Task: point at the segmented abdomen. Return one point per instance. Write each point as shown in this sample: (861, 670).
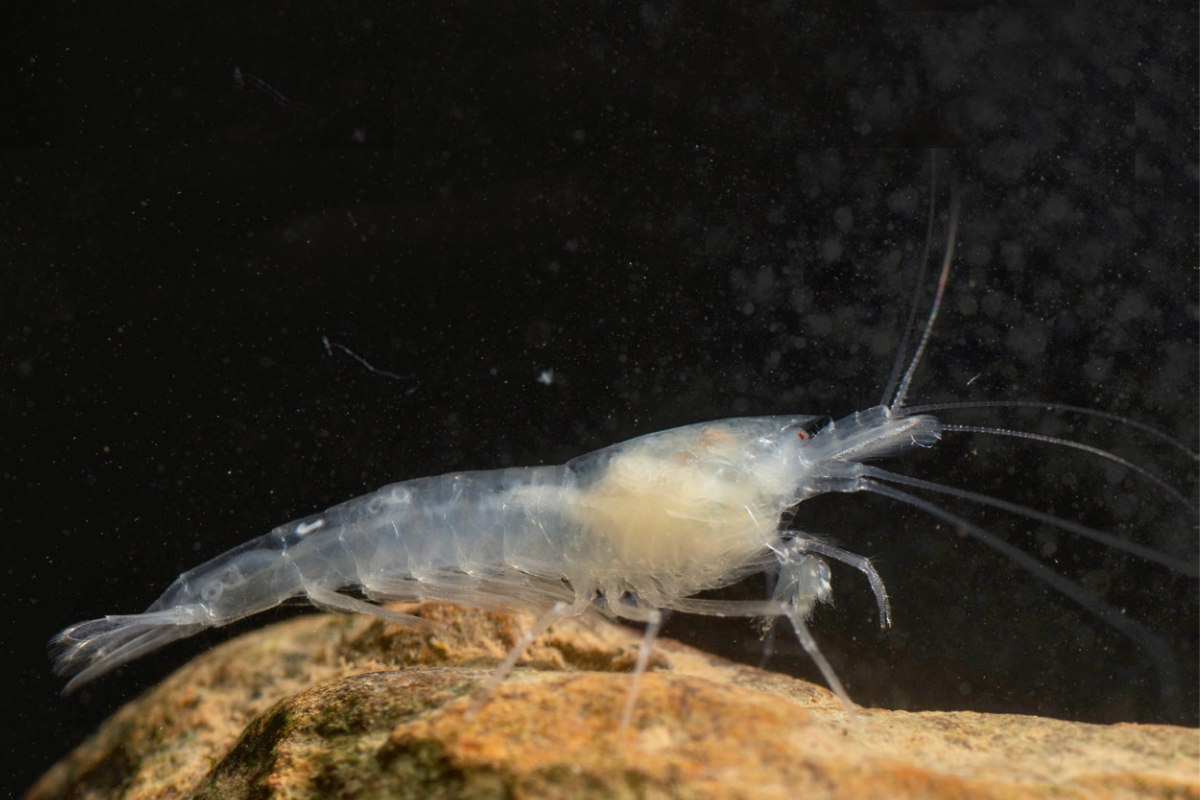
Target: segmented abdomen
(429, 530)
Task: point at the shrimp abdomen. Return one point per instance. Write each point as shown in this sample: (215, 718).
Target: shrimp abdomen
(244, 581)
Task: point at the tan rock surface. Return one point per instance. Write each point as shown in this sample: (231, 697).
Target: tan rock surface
(329, 706)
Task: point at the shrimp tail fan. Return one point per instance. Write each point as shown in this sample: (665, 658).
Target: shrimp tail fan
(87, 650)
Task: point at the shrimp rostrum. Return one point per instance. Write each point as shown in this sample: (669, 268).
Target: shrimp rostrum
(629, 531)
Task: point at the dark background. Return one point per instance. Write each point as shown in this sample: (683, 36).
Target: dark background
(686, 211)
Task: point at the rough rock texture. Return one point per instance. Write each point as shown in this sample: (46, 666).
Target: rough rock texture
(330, 706)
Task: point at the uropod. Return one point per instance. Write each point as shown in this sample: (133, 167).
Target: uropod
(629, 531)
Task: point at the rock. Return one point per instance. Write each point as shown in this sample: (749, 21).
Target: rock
(330, 706)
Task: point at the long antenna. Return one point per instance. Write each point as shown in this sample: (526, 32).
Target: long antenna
(918, 285)
(951, 236)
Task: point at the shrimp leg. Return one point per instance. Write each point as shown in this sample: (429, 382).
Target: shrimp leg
(792, 609)
(803, 580)
(772, 608)
(558, 611)
(654, 619)
(814, 652)
(860, 563)
(329, 600)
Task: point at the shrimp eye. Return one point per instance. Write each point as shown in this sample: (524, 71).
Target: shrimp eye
(811, 428)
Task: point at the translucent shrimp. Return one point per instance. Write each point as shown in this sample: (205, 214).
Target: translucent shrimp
(628, 531)
(641, 526)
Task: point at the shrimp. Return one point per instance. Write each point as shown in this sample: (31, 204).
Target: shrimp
(630, 531)
(640, 526)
